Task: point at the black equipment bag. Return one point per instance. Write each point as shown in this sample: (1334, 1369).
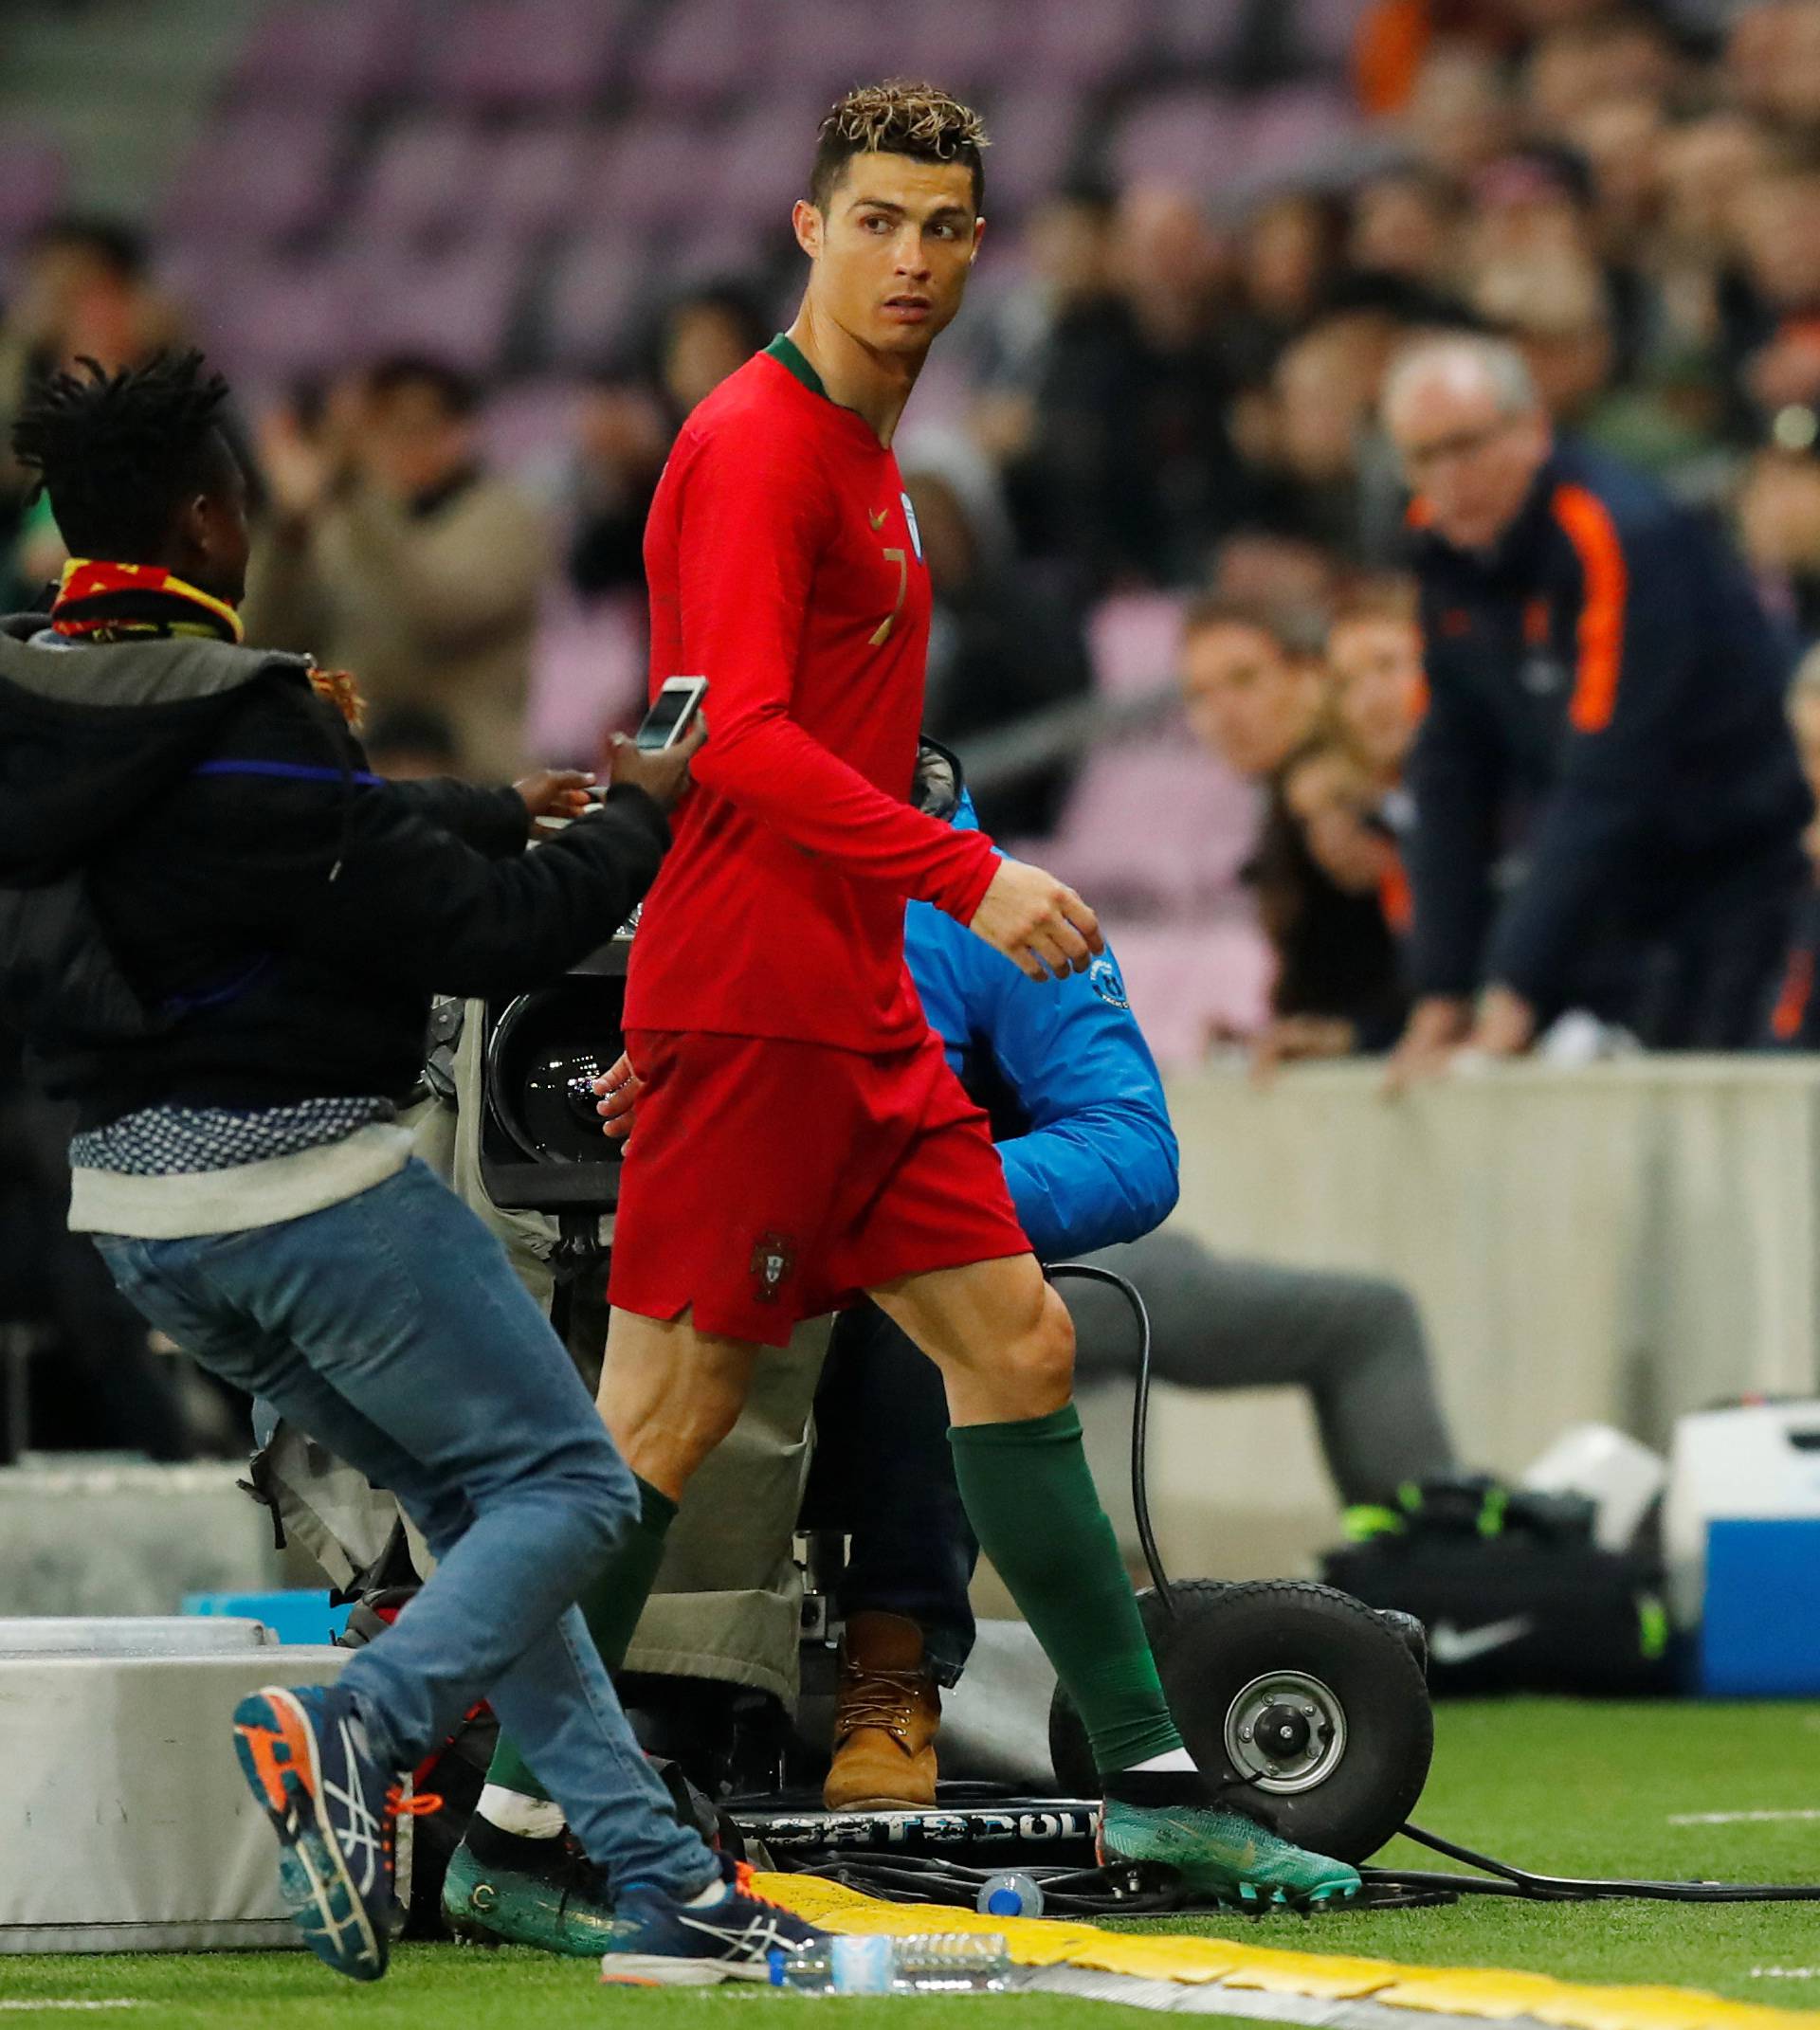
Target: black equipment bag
(1519, 1614)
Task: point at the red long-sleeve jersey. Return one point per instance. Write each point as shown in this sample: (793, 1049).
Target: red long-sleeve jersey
(785, 566)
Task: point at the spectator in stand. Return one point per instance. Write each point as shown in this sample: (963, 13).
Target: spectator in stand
(81, 288)
(393, 553)
(1257, 697)
(629, 422)
(1127, 473)
(1379, 693)
(1778, 518)
(1794, 1017)
(1406, 222)
(1605, 698)
(1005, 639)
(1778, 227)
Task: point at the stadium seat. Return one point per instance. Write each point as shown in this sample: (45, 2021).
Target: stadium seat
(1133, 639)
(532, 178)
(265, 175)
(590, 300)
(458, 305)
(514, 54)
(587, 677)
(696, 55)
(1190, 139)
(426, 180)
(1033, 130)
(329, 54)
(1153, 826)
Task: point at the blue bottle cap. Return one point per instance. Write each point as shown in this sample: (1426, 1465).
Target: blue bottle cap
(1005, 1902)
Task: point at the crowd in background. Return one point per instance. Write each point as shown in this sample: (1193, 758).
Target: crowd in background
(1153, 462)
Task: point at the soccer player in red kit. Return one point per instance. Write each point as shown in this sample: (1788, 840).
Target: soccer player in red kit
(800, 1138)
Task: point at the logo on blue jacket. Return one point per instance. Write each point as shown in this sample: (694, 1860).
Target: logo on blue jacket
(1102, 976)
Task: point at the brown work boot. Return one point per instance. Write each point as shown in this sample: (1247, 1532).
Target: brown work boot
(885, 1720)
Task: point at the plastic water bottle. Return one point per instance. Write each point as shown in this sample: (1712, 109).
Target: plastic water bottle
(1010, 1896)
(927, 1964)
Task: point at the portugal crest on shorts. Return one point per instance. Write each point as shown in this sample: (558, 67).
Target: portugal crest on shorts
(772, 1259)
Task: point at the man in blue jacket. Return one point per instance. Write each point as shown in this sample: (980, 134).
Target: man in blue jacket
(1608, 804)
(1084, 1131)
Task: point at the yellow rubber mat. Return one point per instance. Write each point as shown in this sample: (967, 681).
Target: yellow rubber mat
(1491, 1993)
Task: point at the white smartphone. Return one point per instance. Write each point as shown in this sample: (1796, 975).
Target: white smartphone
(672, 713)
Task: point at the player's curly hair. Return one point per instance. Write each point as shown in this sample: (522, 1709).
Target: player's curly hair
(117, 453)
(898, 118)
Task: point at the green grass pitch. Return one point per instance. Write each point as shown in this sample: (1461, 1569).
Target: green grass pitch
(1565, 1788)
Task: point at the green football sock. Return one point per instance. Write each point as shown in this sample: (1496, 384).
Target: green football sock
(611, 1604)
(1034, 1508)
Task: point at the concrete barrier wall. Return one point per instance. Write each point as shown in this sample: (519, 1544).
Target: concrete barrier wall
(1624, 1243)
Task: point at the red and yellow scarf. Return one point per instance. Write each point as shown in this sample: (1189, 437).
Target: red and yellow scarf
(101, 601)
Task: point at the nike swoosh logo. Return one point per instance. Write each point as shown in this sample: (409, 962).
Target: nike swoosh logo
(877, 520)
(1447, 1644)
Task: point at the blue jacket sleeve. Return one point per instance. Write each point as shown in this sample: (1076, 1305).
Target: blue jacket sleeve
(1100, 1162)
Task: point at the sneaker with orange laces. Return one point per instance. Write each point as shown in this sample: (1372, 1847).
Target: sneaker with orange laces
(725, 1932)
(303, 1751)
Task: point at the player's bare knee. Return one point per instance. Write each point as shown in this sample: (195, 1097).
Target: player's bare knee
(1041, 1360)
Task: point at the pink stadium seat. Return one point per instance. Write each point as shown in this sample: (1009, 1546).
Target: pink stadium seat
(591, 300)
(1328, 31)
(1083, 46)
(330, 53)
(656, 171)
(697, 53)
(31, 183)
(519, 53)
(764, 160)
(457, 305)
(1033, 131)
(828, 47)
(264, 175)
(529, 427)
(587, 679)
(1192, 981)
(1194, 139)
(1133, 639)
(1153, 826)
(1294, 131)
(427, 180)
(969, 46)
(284, 319)
(533, 179)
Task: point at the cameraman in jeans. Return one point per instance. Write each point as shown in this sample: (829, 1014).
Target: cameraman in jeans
(219, 933)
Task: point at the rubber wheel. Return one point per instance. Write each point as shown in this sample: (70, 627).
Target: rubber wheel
(1223, 1638)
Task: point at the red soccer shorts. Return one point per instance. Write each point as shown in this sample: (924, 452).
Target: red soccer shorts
(769, 1182)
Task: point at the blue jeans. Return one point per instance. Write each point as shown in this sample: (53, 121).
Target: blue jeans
(392, 1329)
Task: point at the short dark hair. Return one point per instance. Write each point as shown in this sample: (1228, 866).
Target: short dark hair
(452, 389)
(118, 453)
(1296, 635)
(898, 118)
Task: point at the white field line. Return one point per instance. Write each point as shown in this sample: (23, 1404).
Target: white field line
(1784, 1973)
(1740, 1818)
(112, 2003)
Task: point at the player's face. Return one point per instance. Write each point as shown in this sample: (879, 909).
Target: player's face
(893, 250)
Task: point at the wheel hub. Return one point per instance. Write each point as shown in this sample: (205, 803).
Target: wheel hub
(1285, 1731)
